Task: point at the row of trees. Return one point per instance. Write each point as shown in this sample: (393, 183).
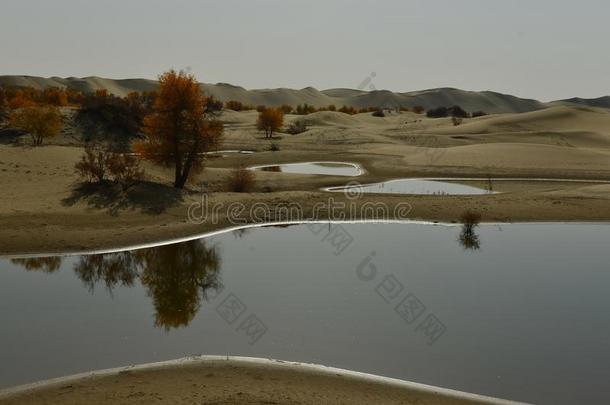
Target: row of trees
(21, 97)
(456, 112)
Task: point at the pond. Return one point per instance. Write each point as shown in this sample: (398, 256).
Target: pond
(515, 311)
(414, 186)
(326, 168)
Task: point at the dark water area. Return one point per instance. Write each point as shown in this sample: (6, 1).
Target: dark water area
(515, 311)
(325, 168)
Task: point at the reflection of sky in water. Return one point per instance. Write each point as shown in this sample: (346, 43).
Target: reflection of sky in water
(417, 186)
(335, 169)
(524, 314)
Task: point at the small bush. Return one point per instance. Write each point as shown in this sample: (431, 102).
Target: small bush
(39, 122)
(274, 147)
(104, 112)
(378, 113)
(213, 106)
(305, 109)
(439, 112)
(479, 114)
(296, 127)
(457, 111)
(241, 180)
(471, 218)
(261, 108)
(286, 109)
(456, 121)
(418, 109)
(234, 105)
(348, 110)
(100, 164)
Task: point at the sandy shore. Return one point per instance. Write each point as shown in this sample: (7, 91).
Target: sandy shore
(216, 380)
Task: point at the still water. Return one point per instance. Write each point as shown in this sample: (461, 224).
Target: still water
(414, 186)
(515, 311)
(326, 168)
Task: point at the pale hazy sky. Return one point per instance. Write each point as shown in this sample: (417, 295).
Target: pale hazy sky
(545, 49)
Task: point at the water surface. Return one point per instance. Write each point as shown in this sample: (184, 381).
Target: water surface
(326, 168)
(514, 311)
(415, 186)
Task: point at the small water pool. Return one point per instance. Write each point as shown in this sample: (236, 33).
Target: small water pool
(325, 168)
(414, 186)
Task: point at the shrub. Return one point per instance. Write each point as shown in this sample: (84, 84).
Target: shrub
(479, 114)
(297, 127)
(261, 108)
(456, 121)
(274, 147)
(348, 110)
(442, 112)
(286, 109)
(93, 165)
(115, 114)
(378, 113)
(101, 163)
(439, 112)
(418, 109)
(213, 106)
(55, 96)
(21, 99)
(332, 107)
(241, 180)
(3, 103)
(305, 109)
(39, 122)
(124, 169)
(457, 111)
(270, 120)
(471, 218)
(237, 106)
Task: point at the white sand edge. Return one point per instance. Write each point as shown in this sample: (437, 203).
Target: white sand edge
(330, 371)
(279, 223)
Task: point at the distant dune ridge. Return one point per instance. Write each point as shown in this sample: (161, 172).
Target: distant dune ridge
(488, 101)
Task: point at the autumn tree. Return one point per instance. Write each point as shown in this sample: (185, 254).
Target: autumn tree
(21, 99)
(55, 96)
(179, 130)
(2, 100)
(270, 120)
(39, 122)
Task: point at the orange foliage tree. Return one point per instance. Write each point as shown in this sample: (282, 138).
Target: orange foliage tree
(179, 130)
(2, 100)
(55, 96)
(270, 120)
(39, 122)
(21, 99)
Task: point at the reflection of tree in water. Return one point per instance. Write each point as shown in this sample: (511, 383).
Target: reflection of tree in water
(468, 237)
(176, 276)
(45, 264)
(112, 269)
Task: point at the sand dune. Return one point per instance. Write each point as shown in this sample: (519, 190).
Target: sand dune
(472, 101)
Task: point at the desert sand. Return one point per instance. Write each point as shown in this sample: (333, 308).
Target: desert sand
(43, 209)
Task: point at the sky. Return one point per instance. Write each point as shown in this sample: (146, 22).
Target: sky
(543, 49)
